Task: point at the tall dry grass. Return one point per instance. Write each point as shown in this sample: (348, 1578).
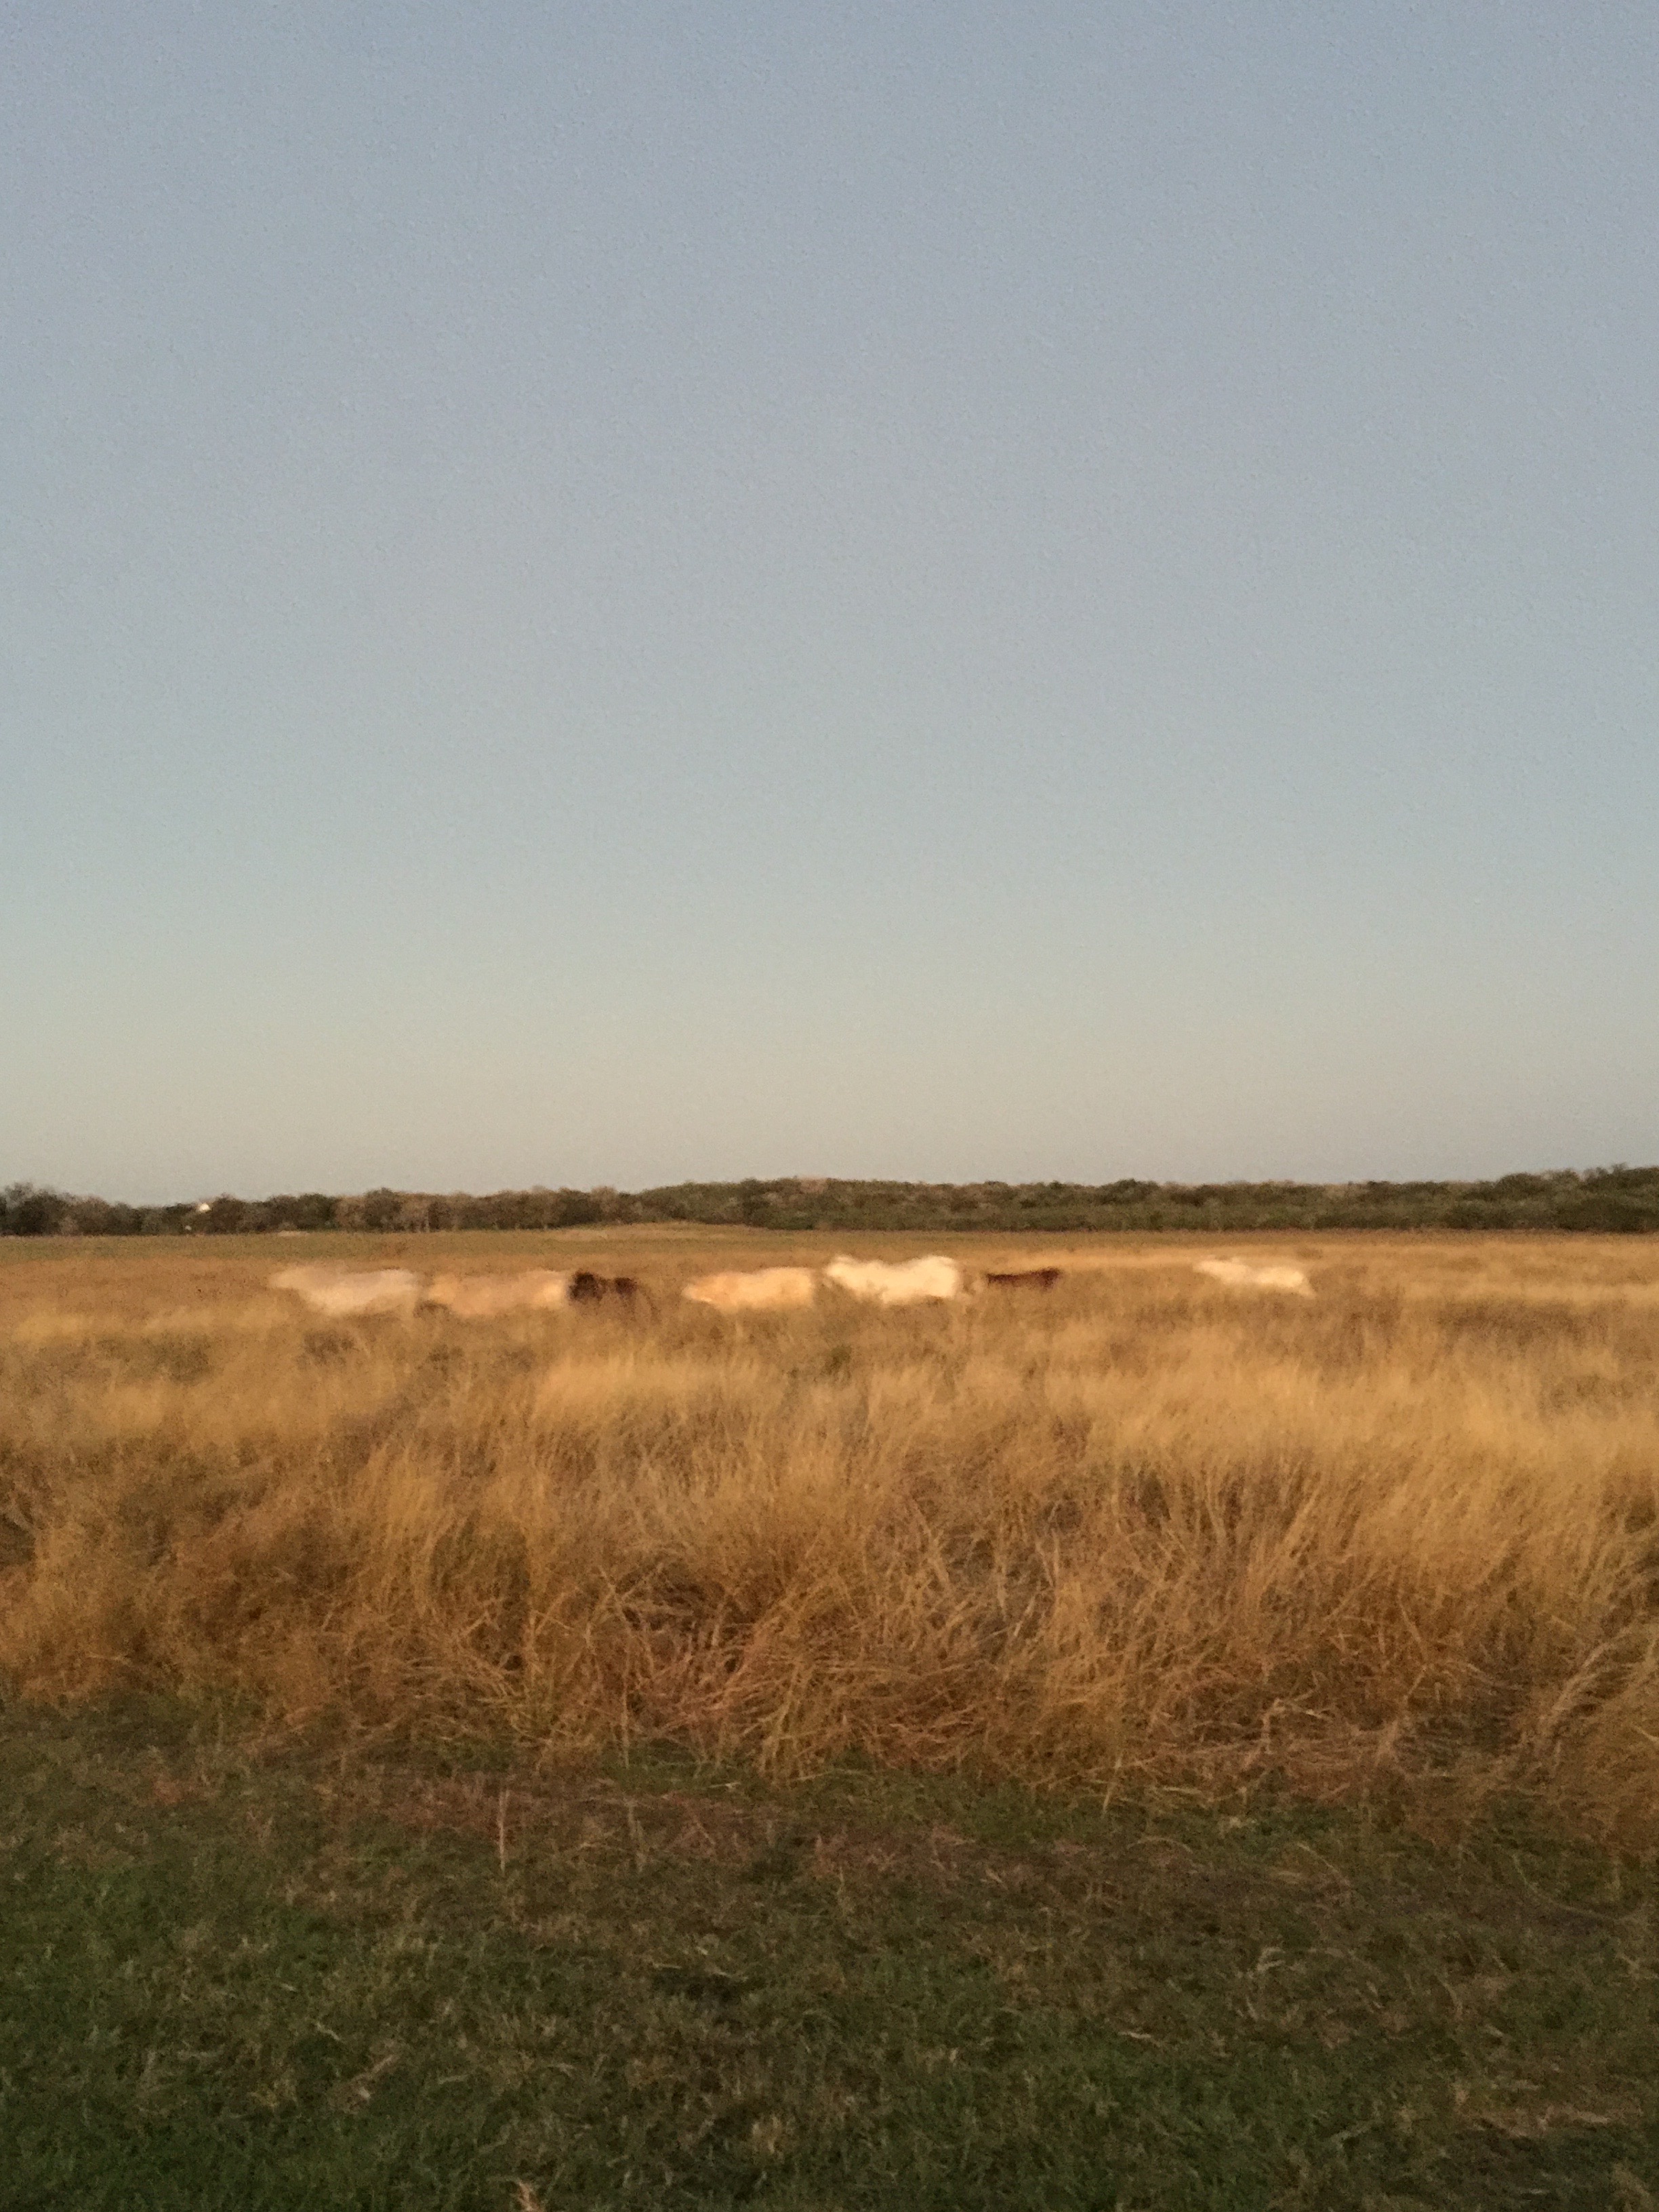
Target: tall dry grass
(1405, 1538)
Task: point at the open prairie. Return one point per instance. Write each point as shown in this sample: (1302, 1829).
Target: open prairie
(1400, 1540)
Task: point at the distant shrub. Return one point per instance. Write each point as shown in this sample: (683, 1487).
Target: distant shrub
(311, 1209)
(1614, 1213)
(26, 1209)
(1619, 1200)
(227, 1216)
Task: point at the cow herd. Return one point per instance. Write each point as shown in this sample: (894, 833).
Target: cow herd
(342, 1293)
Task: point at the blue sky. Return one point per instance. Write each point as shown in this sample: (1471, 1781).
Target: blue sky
(597, 594)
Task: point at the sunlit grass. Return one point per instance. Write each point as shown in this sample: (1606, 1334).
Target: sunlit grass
(1398, 1539)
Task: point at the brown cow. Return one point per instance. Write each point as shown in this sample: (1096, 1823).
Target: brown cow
(588, 1289)
(1024, 1279)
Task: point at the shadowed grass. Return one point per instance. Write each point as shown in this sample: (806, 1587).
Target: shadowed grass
(269, 1974)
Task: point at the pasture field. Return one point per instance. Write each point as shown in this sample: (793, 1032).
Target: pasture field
(1400, 1540)
(248, 1971)
(1144, 1745)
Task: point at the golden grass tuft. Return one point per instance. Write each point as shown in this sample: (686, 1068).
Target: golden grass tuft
(1403, 1539)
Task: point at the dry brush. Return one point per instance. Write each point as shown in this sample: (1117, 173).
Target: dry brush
(1400, 1538)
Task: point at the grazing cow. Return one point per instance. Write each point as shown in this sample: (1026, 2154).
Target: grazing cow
(334, 1292)
(753, 1290)
(481, 1297)
(896, 1283)
(1240, 1275)
(587, 1289)
(1023, 1279)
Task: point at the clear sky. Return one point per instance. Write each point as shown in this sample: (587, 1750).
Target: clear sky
(606, 594)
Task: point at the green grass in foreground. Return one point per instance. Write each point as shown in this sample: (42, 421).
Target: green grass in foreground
(326, 1975)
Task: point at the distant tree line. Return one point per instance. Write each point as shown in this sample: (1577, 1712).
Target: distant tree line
(1602, 1199)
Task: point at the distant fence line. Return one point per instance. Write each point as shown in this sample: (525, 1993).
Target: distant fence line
(1597, 1201)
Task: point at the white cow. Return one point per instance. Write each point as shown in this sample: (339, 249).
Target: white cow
(333, 1291)
(1240, 1275)
(481, 1297)
(898, 1282)
(753, 1290)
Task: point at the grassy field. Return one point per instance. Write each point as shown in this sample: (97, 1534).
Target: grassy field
(248, 1972)
(1148, 1746)
(1399, 1541)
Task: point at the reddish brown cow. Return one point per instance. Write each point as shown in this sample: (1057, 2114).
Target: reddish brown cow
(588, 1289)
(1024, 1279)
